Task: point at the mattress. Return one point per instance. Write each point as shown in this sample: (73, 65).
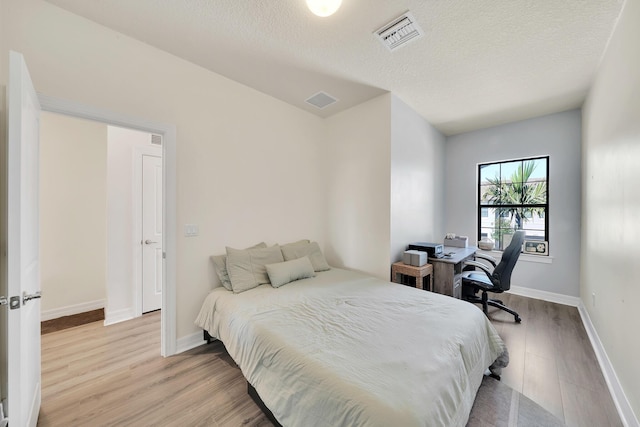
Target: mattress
(347, 349)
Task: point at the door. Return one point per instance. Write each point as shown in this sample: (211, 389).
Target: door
(23, 339)
(151, 233)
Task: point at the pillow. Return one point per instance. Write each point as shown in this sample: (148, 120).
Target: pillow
(247, 267)
(289, 271)
(299, 242)
(301, 249)
(220, 262)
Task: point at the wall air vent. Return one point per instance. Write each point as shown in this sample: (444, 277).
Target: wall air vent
(399, 32)
(156, 140)
(321, 100)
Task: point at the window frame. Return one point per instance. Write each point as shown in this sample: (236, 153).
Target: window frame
(481, 206)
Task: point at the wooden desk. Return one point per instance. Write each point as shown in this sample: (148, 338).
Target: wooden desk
(400, 268)
(447, 271)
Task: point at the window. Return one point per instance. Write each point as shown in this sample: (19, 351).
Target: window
(513, 195)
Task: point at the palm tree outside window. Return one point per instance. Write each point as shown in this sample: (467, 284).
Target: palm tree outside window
(515, 195)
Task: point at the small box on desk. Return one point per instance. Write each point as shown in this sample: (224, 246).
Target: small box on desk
(415, 258)
(457, 242)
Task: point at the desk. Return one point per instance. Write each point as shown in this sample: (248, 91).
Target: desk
(447, 271)
(420, 273)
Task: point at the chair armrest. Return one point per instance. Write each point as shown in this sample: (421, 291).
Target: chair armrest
(489, 258)
(480, 265)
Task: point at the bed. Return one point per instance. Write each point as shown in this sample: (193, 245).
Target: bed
(346, 349)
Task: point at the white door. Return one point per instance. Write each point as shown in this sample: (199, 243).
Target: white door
(23, 358)
(151, 233)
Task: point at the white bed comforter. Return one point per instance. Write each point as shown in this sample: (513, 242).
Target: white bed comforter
(346, 349)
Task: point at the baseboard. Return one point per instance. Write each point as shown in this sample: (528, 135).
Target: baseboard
(190, 341)
(625, 411)
(116, 316)
(545, 296)
(71, 310)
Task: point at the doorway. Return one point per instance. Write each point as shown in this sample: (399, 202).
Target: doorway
(168, 133)
(101, 219)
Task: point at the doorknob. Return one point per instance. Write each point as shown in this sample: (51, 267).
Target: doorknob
(148, 242)
(28, 297)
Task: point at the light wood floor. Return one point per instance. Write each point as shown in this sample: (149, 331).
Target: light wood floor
(103, 376)
(107, 376)
(552, 362)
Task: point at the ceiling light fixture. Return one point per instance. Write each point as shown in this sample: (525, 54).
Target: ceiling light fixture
(323, 8)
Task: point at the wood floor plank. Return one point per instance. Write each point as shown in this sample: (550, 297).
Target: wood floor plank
(514, 336)
(541, 383)
(577, 414)
(541, 326)
(577, 363)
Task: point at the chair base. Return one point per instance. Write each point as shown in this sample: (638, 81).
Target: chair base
(486, 302)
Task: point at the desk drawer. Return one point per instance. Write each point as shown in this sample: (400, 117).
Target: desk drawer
(457, 286)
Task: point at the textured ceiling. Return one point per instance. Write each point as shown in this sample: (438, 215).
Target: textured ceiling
(480, 62)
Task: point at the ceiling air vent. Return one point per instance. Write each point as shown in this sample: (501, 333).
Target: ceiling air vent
(321, 100)
(399, 32)
(156, 139)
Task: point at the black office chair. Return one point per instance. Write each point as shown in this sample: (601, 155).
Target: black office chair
(496, 279)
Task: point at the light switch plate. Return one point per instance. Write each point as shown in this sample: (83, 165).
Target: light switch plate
(191, 230)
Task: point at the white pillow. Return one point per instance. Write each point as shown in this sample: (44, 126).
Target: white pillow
(247, 267)
(220, 262)
(301, 249)
(289, 271)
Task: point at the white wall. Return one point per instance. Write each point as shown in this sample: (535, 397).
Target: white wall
(73, 180)
(611, 203)
(358, 187)
(247, 164)
(384, 184)
(557, 135)
(417, 179)
(121, 241)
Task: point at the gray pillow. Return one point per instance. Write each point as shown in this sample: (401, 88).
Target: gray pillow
(299, 242)
(289, 271)
(312, 250)
(220, 263)
(247, 267)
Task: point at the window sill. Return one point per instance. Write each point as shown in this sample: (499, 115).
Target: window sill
(539, 259)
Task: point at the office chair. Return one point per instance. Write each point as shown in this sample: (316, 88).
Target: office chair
(496, 279)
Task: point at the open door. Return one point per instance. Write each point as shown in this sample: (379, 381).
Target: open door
(23, 341)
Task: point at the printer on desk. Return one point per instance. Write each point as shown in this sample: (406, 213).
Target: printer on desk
(434, 250)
